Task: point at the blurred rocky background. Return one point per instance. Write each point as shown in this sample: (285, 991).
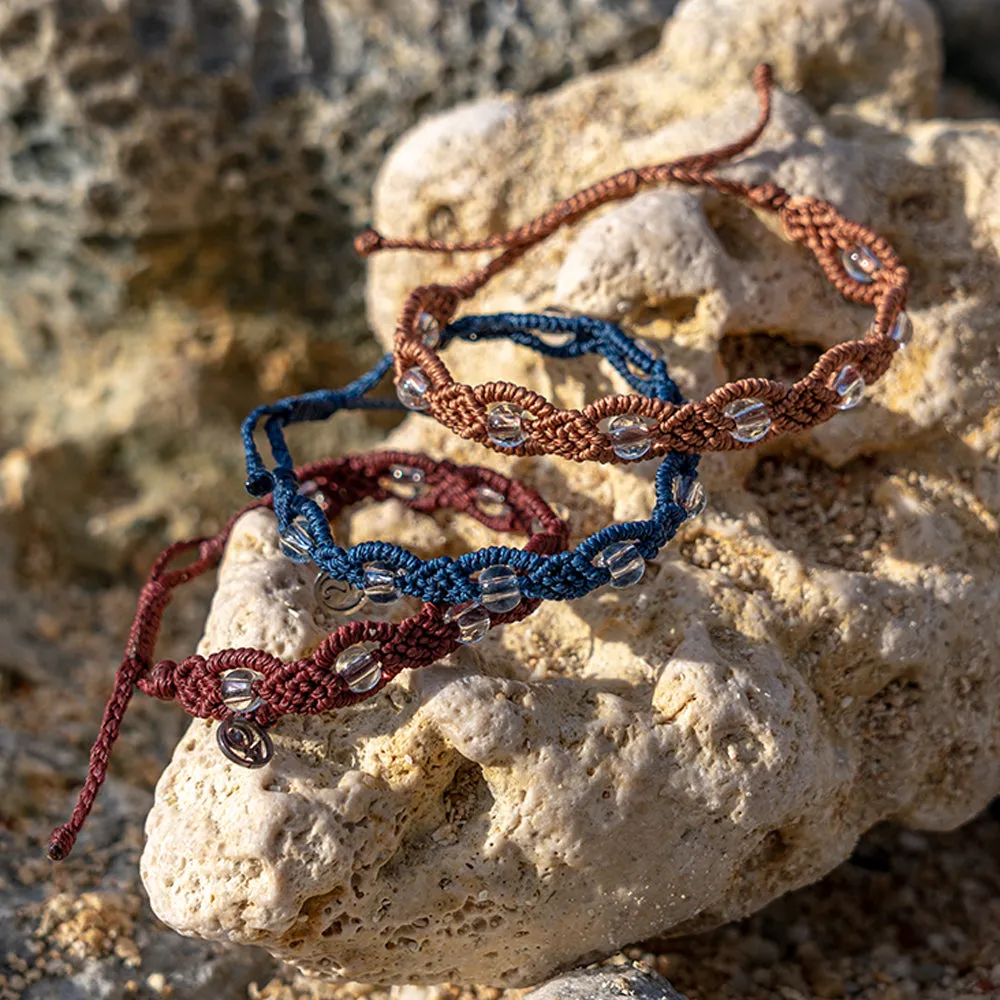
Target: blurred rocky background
(179, 184)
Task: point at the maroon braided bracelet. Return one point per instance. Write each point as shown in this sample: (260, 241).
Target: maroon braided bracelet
(248, 690)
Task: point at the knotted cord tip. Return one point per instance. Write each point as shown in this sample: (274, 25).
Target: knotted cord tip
(763, 77)
(367, 242)
(61, 842)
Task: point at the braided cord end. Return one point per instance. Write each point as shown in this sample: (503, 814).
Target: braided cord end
(763, 76)
(367, 242)
(61, 842)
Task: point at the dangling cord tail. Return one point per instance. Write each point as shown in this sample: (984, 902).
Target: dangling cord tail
(153, 600)
(690, 170)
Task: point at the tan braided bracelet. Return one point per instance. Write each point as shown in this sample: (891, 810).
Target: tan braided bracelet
(512, 419)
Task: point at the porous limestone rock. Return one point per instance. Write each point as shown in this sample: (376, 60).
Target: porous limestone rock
(814, 654)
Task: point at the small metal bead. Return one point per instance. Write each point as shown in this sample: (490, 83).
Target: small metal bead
(337, 596)
(260, 485)
(296, 541)
(472, 619)
(860, 264)
(412, 388)
(505, 425)
(850, 386)
(689, 494)
(751, 418)
(382, 582)
(359, 667)
(500, 589)
(623, 561)
(429, 329)
(408, 482)
(237, 689)
(490, 502)
(901, 330)
(629, 436)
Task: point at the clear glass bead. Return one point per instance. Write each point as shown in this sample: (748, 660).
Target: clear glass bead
(623, 561)
(404, 481)
(751, 418)
(412, 388)
(381, 582)
(850, 386)
(500, 589)
(237, 689)
(505, 425)
(429, 329)
(629, 436)
(689, 494)
(861, 264)
(359, 666)
(901, 330)
(490, 502)
(472, 619)
(337, 596)
(296, 541)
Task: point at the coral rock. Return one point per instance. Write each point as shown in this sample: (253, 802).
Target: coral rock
(815, 654)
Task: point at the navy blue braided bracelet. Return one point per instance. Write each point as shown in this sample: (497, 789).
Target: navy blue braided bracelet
(494, 578)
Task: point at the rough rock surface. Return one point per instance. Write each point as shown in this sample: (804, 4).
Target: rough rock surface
(179, 185)
(600, 983)
(815, 654)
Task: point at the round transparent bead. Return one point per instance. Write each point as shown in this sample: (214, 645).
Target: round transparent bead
(429, 329)
(850, 386)
(505, 425)
(381, 582)
(629, 436)
(337, 596)
(296, 541)
(901, 330)
(359, 667)
(623, 561)
(861, 264)
(751, 418)
(404, 481)
(412, 388)
(237, 689)
(500, 589)
(472, 619)
(490, 502)
(689, 494)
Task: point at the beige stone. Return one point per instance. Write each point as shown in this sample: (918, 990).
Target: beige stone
(815, 654)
